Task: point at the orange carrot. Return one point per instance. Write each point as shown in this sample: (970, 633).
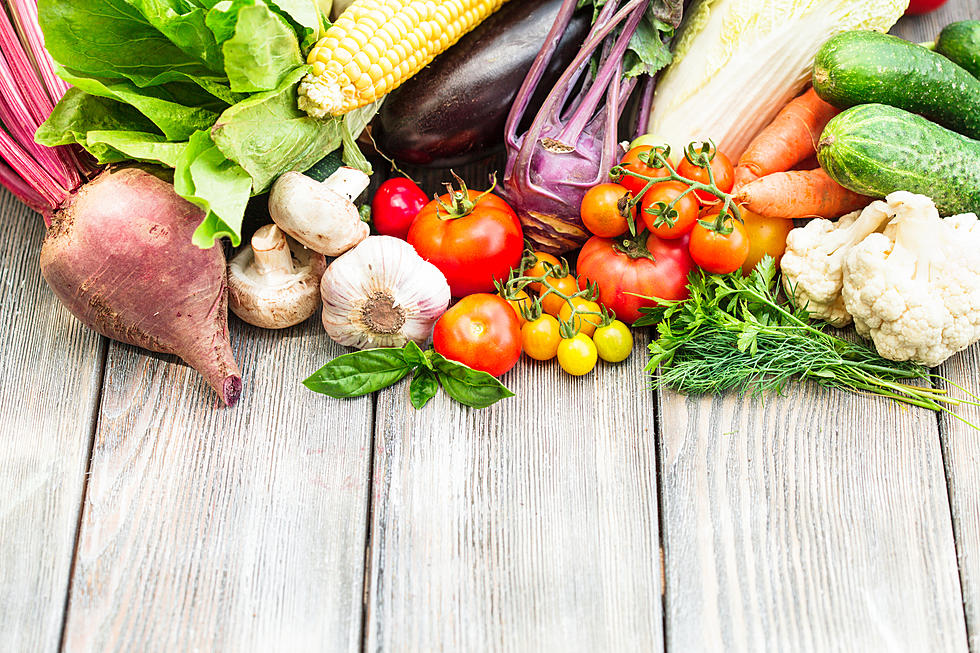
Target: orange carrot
(799, 194)
(790, 138)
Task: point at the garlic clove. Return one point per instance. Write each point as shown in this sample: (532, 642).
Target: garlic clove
(382, 294)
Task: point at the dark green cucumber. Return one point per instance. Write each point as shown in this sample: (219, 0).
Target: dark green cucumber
(960, 43)
(866, 67)
(875, 150)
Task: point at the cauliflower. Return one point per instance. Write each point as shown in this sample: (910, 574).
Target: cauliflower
(914, 288)
(813, 264)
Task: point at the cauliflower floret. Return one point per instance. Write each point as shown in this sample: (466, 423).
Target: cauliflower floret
(814, 260)
(914, 289)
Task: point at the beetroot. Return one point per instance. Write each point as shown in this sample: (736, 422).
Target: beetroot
(118, 254)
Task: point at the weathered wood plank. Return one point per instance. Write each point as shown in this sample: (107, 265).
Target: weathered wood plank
(529, 525)
(961, 451)
(218, 529)
(960, 443)
(48, 394)
(811, 522)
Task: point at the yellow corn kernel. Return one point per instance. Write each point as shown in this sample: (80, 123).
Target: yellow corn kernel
(375, 45)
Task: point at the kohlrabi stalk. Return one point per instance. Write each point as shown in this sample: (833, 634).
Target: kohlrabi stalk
(572, 143)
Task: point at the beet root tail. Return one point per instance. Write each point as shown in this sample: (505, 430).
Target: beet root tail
(120, 258)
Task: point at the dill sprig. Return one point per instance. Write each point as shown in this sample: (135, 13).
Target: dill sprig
(737, 333)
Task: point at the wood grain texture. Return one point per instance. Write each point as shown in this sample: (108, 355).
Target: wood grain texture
(960, 442)
(818, 521)
(961, 450)
(48, 394)
(215, 529)
(527, 526)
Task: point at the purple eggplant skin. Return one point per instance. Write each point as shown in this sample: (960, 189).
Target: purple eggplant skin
(453, 111)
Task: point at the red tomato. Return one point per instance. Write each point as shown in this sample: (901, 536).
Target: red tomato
(618, 274)
(722, 169)
(924, 6)
(632, 163)
(687, 209)
(395, 205)
(481, 331)
(602, 210)
(720, 253)
(476, 240)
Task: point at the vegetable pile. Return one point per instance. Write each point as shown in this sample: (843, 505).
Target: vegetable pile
(788, 170)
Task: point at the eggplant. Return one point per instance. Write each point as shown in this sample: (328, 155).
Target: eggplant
(453, 111)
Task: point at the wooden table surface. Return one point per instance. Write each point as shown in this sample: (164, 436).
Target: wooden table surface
(582, 515)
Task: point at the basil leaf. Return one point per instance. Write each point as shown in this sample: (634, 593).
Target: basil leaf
(468, 386)
(360, 372)
(415, 355)
(424, 387)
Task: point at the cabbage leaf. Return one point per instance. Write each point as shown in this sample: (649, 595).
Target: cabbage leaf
(738, 62)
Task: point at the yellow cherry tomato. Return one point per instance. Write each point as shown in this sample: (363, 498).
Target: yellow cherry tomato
(583, 323)
(614, 341)
(577, 355)
(552, 303)
(766, 236)
(523, 299)
(540, 338)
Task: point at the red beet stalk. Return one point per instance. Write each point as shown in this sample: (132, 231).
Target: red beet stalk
(118, 250)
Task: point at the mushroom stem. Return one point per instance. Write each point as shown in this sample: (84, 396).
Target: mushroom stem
(347, 182)
(271, 251)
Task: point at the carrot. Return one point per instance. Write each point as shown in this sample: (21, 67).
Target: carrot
(799, 194)
(790, 138)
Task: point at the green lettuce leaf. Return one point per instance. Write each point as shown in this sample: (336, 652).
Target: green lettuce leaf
(78, 113)
(111, 146)
(262, 52)
(184, 25)
(177, 121)
(268, 134)
(218, 186)
(111, 39)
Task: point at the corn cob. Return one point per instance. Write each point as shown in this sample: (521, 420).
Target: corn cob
(375, 45)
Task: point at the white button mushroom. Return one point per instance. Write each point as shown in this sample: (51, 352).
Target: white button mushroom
(320, 215)
(274, 283)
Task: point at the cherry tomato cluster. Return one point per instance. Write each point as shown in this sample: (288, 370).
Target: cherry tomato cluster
(560, 318)
(689, 201)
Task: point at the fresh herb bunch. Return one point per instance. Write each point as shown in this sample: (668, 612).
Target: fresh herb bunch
(737, 333)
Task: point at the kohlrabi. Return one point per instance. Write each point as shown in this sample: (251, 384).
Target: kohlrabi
(573, 140)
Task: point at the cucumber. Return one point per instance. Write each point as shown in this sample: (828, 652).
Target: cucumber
(875, 150)
(960, 43)
(866, 67)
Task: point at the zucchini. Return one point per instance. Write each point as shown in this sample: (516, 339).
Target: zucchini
(866, 67)
(960, 43)
(874, 149)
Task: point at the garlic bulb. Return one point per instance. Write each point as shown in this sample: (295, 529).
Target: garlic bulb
(382, 294)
